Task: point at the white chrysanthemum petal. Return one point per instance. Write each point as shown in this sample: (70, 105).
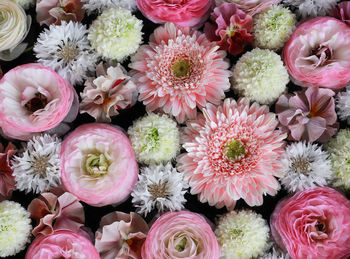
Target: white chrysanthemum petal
(242, 235)
(275, 254)
(343, 105)
(15, 228)
(100, 5)
(305, 166)
(311, 8)
(66, 49)
(160, 187)
(38, 168)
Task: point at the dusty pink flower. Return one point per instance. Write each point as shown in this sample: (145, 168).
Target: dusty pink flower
(250, 7)
(308, 115)
(233, 152)
(182, 234)
(230, 27)
(62, 244)
(313, 224)
(179, 71)
(342, 12)
(318, 54)
(98, 164)
(54, 213)
(35, 99)
(7, 181)
(54, 11)
(184, 13)
(111, 91)
(121, 235)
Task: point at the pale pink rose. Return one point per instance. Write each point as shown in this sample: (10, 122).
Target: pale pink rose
(251, 7)
(182, 234)
(121, 235)
(98, 164)
(55, 11)
(184, 13)
(35, 99)
(62, 244)
(7, 181)
(318, 54)
(313, 224)
(342, 12)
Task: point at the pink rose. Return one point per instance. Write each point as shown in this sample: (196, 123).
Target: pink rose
(98, 164)
(62, 244)
(313, 224)
(318, 54)
(250, 7)
(182, 234)
(342, 12)
(183, 13)
(7, 181)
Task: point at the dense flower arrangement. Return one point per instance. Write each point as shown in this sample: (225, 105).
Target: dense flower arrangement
(168, 129)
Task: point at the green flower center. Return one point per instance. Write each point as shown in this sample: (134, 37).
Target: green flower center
(182, 244)
(235, 150)
(96, 164)
(153, 138)
(181, 68)
(235, 233)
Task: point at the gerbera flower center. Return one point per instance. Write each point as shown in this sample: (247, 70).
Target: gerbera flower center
(41, 164)
(301, 165)
(68, 52)
(235, 150)
(159, 190)
(36, 103)
(181, 68)
(96, 164)
(181, 245)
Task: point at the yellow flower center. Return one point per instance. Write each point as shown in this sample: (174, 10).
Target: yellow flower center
(96, 165)
(235, 150)
(181, 68)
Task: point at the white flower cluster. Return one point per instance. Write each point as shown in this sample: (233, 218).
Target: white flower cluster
(343, 105)
(101, 5)
(311, 8)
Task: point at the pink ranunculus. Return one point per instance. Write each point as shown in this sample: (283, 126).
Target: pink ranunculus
(35, 99)
(182, 234)
(98, 164)
(55, 11)
(7, 181)
(342, 12)
(183, 13)
(313, 224)
(251, 7)
(230, 27)
(308, 115)
(54, 213)
(121, 235)
(62, 244)
(318, 54)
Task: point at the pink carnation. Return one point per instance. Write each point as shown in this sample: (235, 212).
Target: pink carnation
(313, 224)
(179, 71)
(233, 152)
(230, 27)
(7, 181)
(180, 234)
(35, 99)
(318, 54)
(186, 13)
(54, 11)
(98, 164)
(342, 12)
(62, 244)
(251, 7)
(308, 115)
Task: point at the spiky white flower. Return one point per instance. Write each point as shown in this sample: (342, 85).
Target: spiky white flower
(100, 5)
(305, 166)
(15, 228)
(260, 76)
(38, 167)
(25, 3)
(66, 49)
(161, 187)
(275, 254)
(242, 235)
(343, 105)
(155, 138)
(311, 8)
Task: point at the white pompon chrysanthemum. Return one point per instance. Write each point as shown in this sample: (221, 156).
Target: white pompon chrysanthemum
(311, 8)
(260, 76)
(38, 168)
(305, 166)
(155, 138)
(66, 49)
(275, 254)
(15, 228)
(343, 105)
(25, 3)
(161, 187)
(242, 235)
(100, 5)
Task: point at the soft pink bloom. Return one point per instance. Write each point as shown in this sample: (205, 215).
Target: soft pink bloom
(35, 99)
(121, 235)
(54, 213)
(251, 7)
(313, 224)
(62, 244)
(182, 234)
(318, 54)
(179, 71)
(184, 13)
(98, 164)
(308, 115)
(230, 27)
(54, 11)
(111, 91)
(342, 12)
(7, 181)
(233, 152)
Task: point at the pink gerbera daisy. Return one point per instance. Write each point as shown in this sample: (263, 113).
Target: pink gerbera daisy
(180, 70)
(234, 152)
